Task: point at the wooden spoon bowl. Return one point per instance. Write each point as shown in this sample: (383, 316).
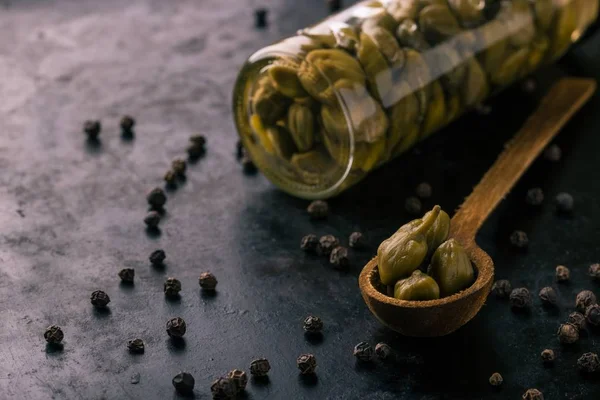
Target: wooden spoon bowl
(443, 316)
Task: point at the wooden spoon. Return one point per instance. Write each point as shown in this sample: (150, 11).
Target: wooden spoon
(443, 316)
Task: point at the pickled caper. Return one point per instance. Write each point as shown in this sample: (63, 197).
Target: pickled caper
(409, 35)
(301, 124)
(418, 286)
(284, 75)
(451, 268)
(469, 12)
(437, 23)
(436, 112)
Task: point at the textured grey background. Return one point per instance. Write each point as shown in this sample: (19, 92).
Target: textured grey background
(71, 217)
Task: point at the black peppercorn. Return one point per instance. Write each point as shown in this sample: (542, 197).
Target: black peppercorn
(260, 367)
(54, 334)
(152, 219)
(309, 243)
(327, 243)
(156, 198)
(260, 18)
(198, 140)
(520, 298)
(157, 257)
(184, 383)
(99, 299)
(519, 239)
(594, 272)
(592, 315)
(179, 166)
(502, 288)
(568, 333)
(413, 205)
(382, 350)
(318, 209)
(313, 324)
(562, 274)
(248, 164)
(363, 352)
(92, 129)
(577, 319)
(424, 190)
(307, 363)
(239, 149)
(127, 275)
(223, 389)
(533, 394)
(564, 202)
(172, 287)
(548, 356)
(170, 178)
(534, 196)
(207, 281)
(588, 363)
(127, 123)
(548, 296)
(176, 327)
(339, 257)
(334, 5)
(496, 379)
(135, 346)
(356, 240)
(585, 299)
(553, 153)
(239, 379)
(196, 149)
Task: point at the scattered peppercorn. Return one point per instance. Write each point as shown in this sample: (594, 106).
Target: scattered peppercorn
(260, 18)
(309, 243)
(318, 209)
(313, 324)
(564, 202)
(533, 394)
(548, 356)
(585, 299)
(594, 272)
(548, 296)
(588, 363)
(157, 257)
(424, 190)
(519, 239)
(577, 319)
(520, 298)
(92, 128)
(239, 149)
(534, 197)
(198, 140)
(339, 257)
(135, 345)
(239, 379)
(563, 274)
(248, 164)
(127, 275)
(502, 288)
(413, 205)
(172, 287)
(156, 198)
(334, 5)
(383, 350)
(529, 85)
(260, 367)
(127, 123)
(363, 352)
(184, 383)
(568, 333)
(170, 178)
(179, 166)
(496, 379)
(176, 327)
(54, 334)
(197, 148)
(223, 389)
(356, 240)
(152, 219)
(592, 315)
(207, 281)
(327, 243)
(553, 153)
(99, 299)
(307, 363)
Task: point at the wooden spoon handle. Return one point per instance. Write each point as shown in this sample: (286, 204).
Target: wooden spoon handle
(563, 100)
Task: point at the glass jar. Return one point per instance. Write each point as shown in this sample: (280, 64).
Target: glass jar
(318, 111)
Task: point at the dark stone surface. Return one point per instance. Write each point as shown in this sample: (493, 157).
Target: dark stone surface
(71, 216)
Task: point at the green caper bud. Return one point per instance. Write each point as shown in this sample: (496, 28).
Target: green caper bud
(476, 87)
(448, 64)
(436, 113)
(346, 37)
(495, 44)
(268, 103)
(382, 19)
(438, 23)
(375, 66)
(402, 10)
(451, 268)
(282, 144)
(518, 19)
(416, 74)
(544, 13)
(284, 75)
(469, 12)
(311, 164)
(418, 286)
(565, 23)
(404, 119)
(453, 107)
(409, 35)
(438, 233)
(539, 48)
(301, 124)
(511, 68)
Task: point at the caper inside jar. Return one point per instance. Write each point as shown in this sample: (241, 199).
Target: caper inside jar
(320, 110)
